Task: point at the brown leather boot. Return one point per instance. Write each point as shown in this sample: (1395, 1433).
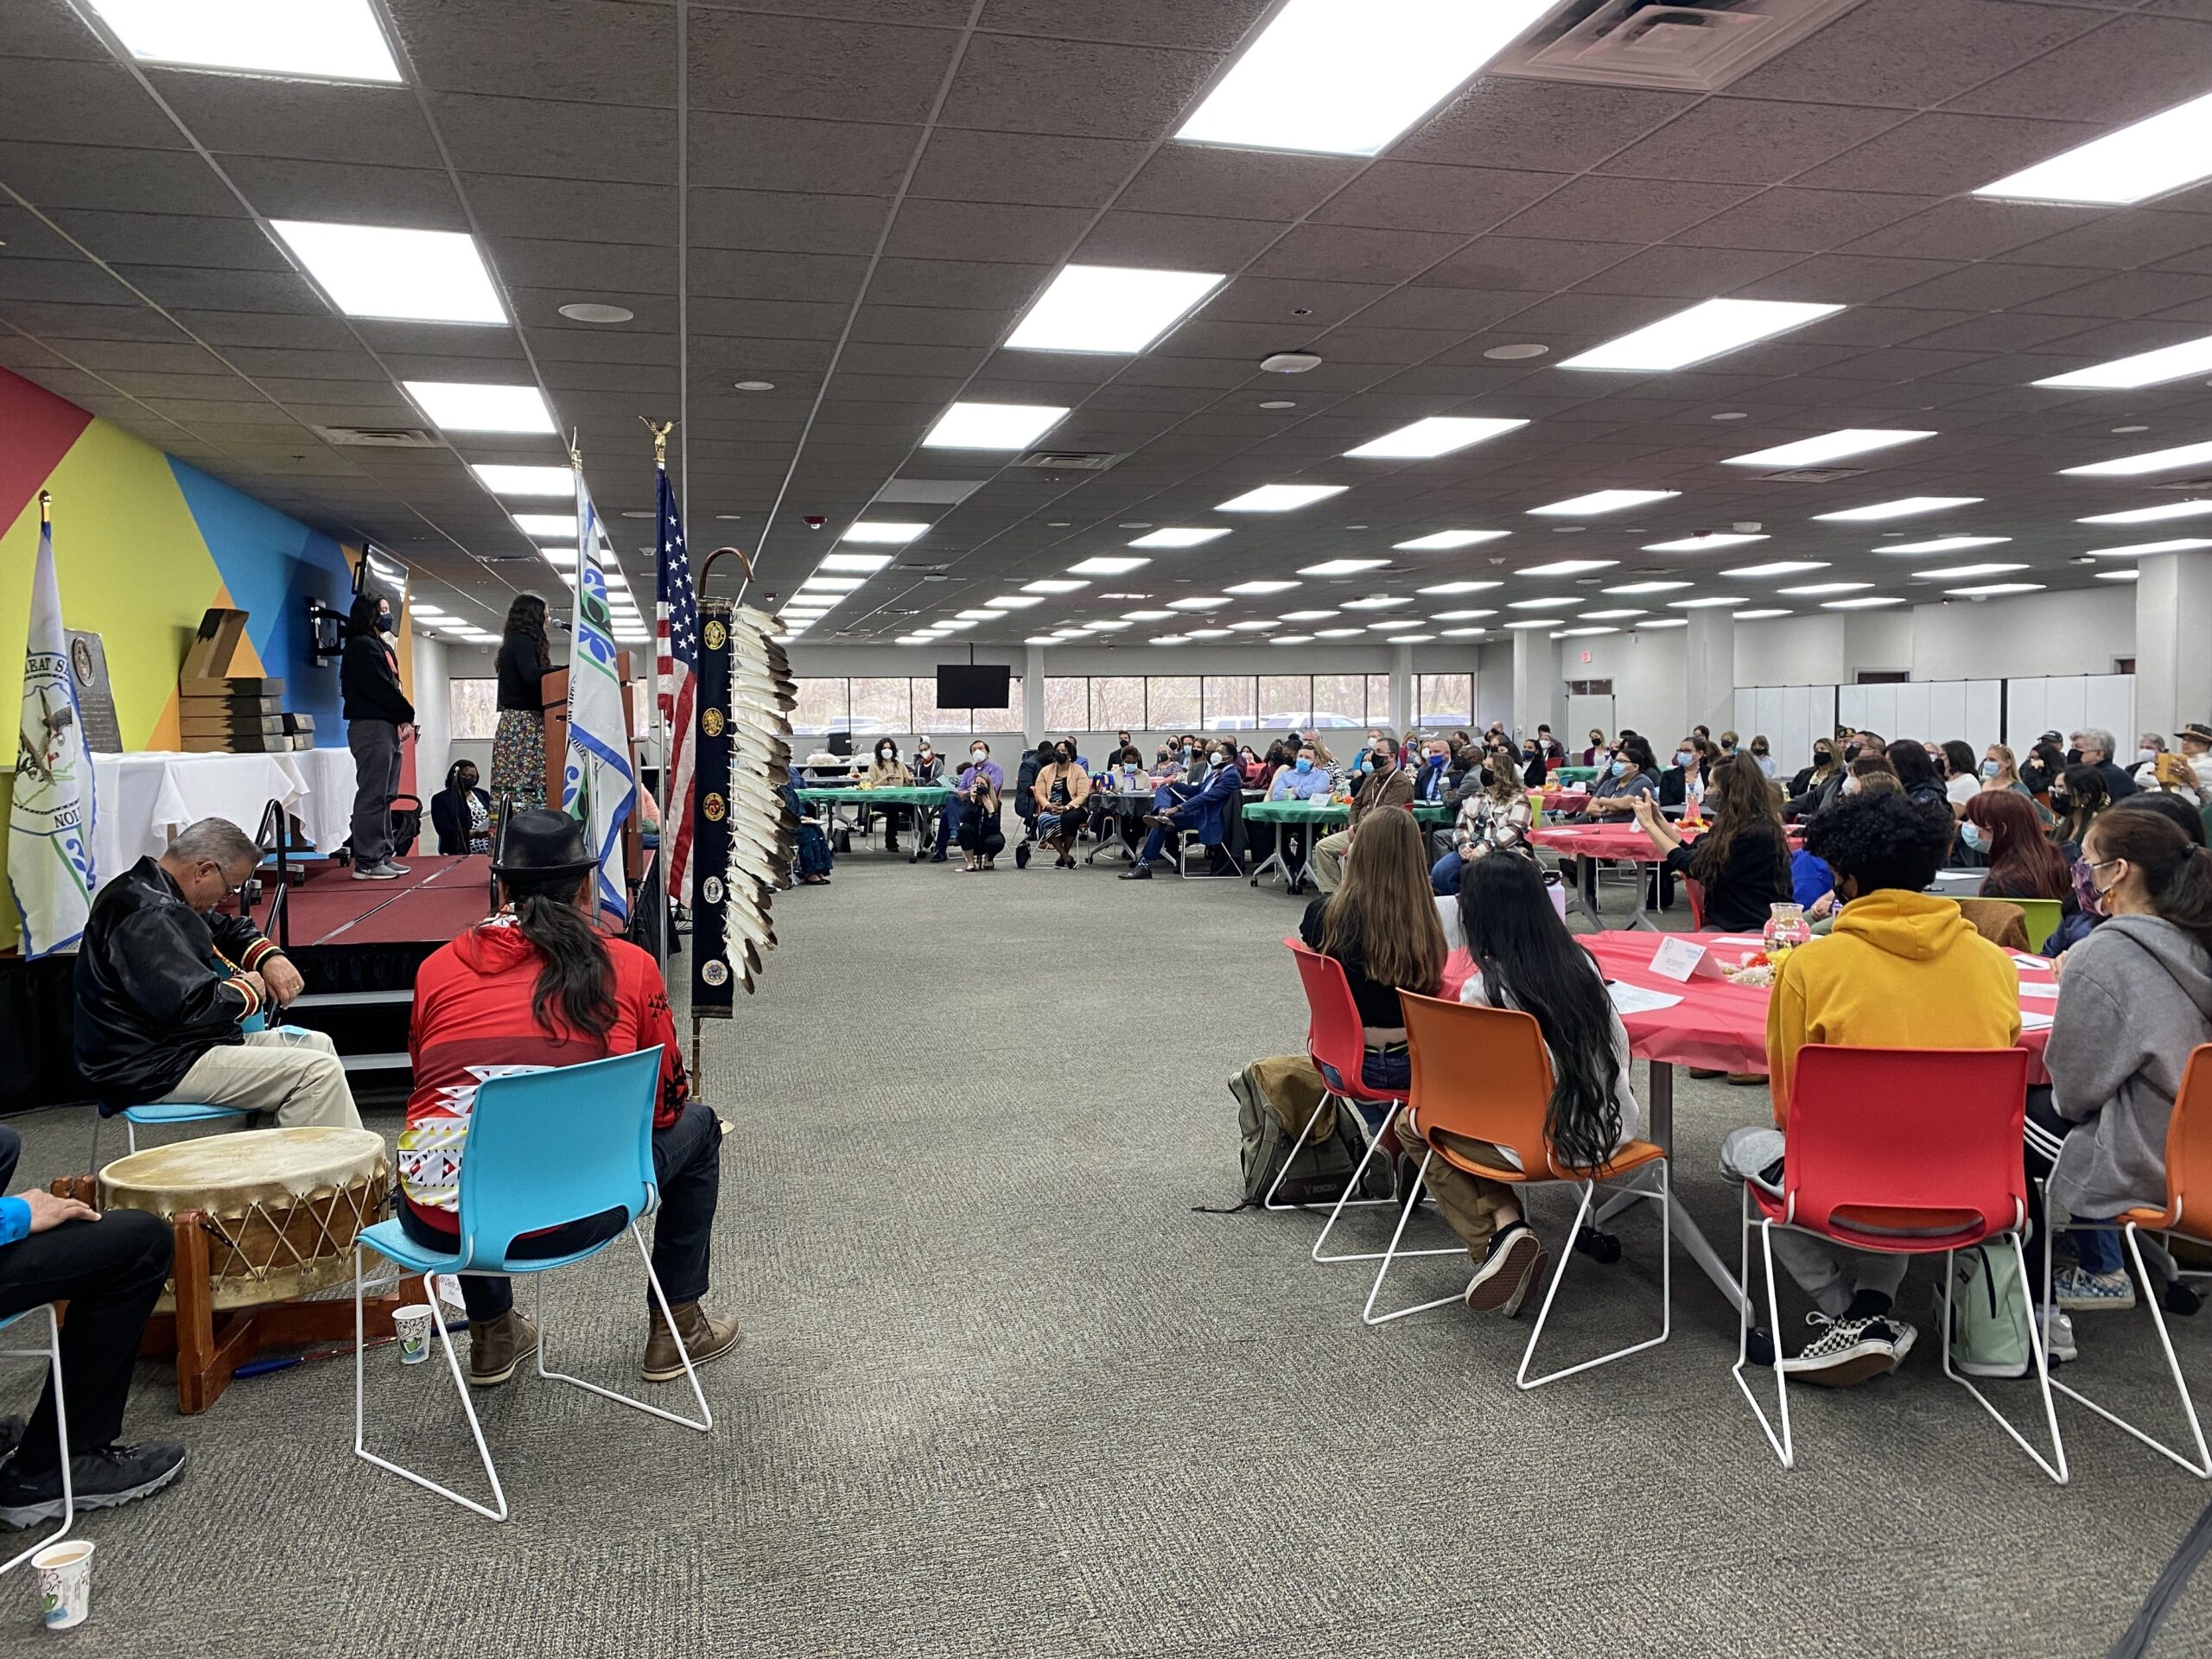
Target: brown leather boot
(705, 1336)
(498, 1347)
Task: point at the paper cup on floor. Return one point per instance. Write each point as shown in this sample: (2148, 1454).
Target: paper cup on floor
(65, 1582)
(411, 1324)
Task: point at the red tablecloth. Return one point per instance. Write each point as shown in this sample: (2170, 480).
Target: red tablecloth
(1623, 840)
(1558, 800)
(1723, 1026)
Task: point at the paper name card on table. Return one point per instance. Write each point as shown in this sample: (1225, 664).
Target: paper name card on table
(1683, 960)
(1634, 999)
(2038, 990)
(2034, 1020)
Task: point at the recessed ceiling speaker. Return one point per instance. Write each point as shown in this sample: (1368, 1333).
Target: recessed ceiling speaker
(1514, 353)
(586, 311)
(1290, 362)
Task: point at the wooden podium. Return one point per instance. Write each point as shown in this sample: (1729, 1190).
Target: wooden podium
(555, 690)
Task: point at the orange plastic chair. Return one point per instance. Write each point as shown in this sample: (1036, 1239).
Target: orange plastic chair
(1337, 1042)
(1485, 1074)
(2188, 1212)
(1915, 1152)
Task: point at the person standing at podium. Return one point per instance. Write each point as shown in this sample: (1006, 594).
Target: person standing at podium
(519, 746)
(378, 718)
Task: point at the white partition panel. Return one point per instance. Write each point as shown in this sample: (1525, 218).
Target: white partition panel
(1789, 716)
(1935, 711)
(2066, 703)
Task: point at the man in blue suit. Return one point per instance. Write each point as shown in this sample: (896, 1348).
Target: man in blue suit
(1201, 806)
(1431, 786)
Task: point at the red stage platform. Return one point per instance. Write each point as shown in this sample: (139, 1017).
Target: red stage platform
(439, 898)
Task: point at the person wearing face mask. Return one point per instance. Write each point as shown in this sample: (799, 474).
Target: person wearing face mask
(1201, 807)
(2042, 768)
(2196, 749)
(1302, 778)
(462, 813)
(2000, 825)
(2148, 747)
(1385, 785)
(2092, 746)
(929, 765)
(1430, 787)
(1024, 798)
(965, 790)
(1059, 790)
(1815, 786)
(888, 772)
(1763, 759)
(378, 719)
(165, 980)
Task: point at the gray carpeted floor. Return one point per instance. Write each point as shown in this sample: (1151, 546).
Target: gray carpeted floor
(1004, 1393)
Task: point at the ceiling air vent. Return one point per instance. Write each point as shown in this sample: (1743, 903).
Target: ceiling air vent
(1070, 460)
(381, 437)
(1694, 46)
(1812, 475)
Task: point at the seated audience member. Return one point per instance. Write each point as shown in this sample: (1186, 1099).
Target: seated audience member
(1593, 755)
(1632, 774)
(1495, 818)
(2001, 824)
(929, 765)
(1917, 773)
(1763, 759)
(2196, 749)
(165, 980)
(110, 1270)
(981, 836)
(1526, 960)
(2171, 775)
(2172, 808)
(2000, 772)
(1743, 859)
(980, 765)
(1060, 792)
(2097, 749)
(1817, 785)
(1812, 883)
(1304, 778)
(1903, 969)
(1252, 770)
(462, 813)
(1025, 789)
(2045, 761)
(1385, 786)
(1693, 761)
(2078, 799)
(1202, 807)
(814, 862)
(536, 986)
(1961, 775)
(1430, 784)
(889, 772)
(1380, 925)
(1534, 765)
(2148, 747)
(2135, 998)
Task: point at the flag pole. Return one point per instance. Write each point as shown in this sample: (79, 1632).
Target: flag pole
(45, 508)
(663, 738)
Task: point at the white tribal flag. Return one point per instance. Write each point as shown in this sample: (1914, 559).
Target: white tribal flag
(50, 818)
(598, 786)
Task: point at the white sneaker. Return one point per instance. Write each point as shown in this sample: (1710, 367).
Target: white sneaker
(1849, 1351)
(2079, 1291)
(2058, 1335)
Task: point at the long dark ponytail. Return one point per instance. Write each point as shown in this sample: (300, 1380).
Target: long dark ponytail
(1531, 962)
(576, 988)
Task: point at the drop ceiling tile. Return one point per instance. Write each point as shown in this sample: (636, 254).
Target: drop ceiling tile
(541, 138)
(754, 62)
(77, 101)
(962, 230)
(234, 243)
(585, 210)
(2125, 238)
(1687, 273)
(1873, 55)
(52, 175)
(931, 325)
(2130, 69)
(1545, 126)
(1989, 286)
(1303, 305)
(1212, 179)
(2126, 293)
(1525, 264)
(778, 320)
(1808, 221)
(1043, 169)
(1629, 210)
(1969, 228)
(410, 198)
(1024, 84)
(1731, 139)
(954, 282)
(2003, 331)
(304, 120)
(1176, 242)
(1943, 154)
(173, 287)
(777, 153)
(579, 52)
(1216, 27)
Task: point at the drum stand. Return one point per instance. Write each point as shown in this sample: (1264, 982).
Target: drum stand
(208, 1347)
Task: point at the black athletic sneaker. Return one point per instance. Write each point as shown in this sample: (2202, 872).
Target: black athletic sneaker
(102, 1479)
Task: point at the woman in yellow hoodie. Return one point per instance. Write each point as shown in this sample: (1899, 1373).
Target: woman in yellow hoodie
(1903, 969)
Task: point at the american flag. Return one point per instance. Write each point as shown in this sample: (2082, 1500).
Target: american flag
(675, 626)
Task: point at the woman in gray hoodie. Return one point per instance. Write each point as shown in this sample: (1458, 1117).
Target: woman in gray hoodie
(2135, 997)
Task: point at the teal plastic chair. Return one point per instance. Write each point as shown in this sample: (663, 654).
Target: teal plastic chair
(173, 1112)
(544, 1149)
(51, 1353)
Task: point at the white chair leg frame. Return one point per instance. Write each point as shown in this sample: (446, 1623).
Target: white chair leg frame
(1658, 1194)
(1784, 1447)
(51, 1353)
(498, 1510)
(1344, 1201)
(1347, 1202)
(2202, 1468)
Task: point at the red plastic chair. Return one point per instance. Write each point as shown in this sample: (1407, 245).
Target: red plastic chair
(1695, 890)
(1336, 1039)
(2188, 1211)
(1915, 1151)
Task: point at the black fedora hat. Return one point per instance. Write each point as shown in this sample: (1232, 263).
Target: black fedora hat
(542, 840)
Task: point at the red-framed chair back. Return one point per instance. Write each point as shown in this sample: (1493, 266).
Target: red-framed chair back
(1336, 1037)
(1695, 890)
(1882, 1140)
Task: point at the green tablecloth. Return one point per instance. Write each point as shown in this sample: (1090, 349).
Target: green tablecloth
(929, 795)
(1327, 812)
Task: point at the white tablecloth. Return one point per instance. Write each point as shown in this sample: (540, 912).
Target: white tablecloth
(141, 800)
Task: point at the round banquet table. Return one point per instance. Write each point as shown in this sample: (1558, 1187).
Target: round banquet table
(1317, 813)
(1558, 800)
(1623, 842)
(926, 799)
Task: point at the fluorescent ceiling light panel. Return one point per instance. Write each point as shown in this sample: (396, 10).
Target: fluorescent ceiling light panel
(1262, 625)
(1760, 616)
(1857, 604)
(1459, 586)
(1291, 639)
(831, 584)
(2144, 369)
(1965, 572)
(2151, 461)
(993, 426)
(1439, 434)
(1338, 633)
(1307, 616)
(1054, 585)
(1208, 603)
(1989, 590)
(2144, 160)
(1614, 615)
(1577, 633)
(561, 558)
(1535, 622)
(1013, 602)
(1259, 587)
(1543, 604)
(1701, 543)
(1666, 622)
(1567, 568)
(2152, 515)
(1207, 633)
(1779, 568)
(1179, 538)
(2139, 549)
(1814, 590)
(1169, 639)
(2120, 575)
(372, 271)
(1281, 498)
(1342, 567)
(465, 406)
(328, 40)
(1458, 616)
(1905, 507)
(1110, 308)
(1147, 616)
(865, 563)
(889, 534)
(548, 523)
(1829, 446)
(1943, 544)
(973, 616)
(1454, 634)
(1387, 625)
(1647, 587)
(524, 480)
(1444, 541)
(1381, 69)
(1378, 602)
(1707, 603)
(1105, 628)
(1598, 501)
(1703, 331)
(1107, 567)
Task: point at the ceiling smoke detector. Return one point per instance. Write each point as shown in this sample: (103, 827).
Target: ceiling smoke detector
(1290, 362)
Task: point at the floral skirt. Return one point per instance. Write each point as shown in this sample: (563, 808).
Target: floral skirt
(518, 757)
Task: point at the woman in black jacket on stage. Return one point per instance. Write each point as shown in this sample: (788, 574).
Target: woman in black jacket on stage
(1743, 861)
(378, 719)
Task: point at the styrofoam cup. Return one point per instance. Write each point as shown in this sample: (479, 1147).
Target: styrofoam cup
(411, 1324)
(65, 1582)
